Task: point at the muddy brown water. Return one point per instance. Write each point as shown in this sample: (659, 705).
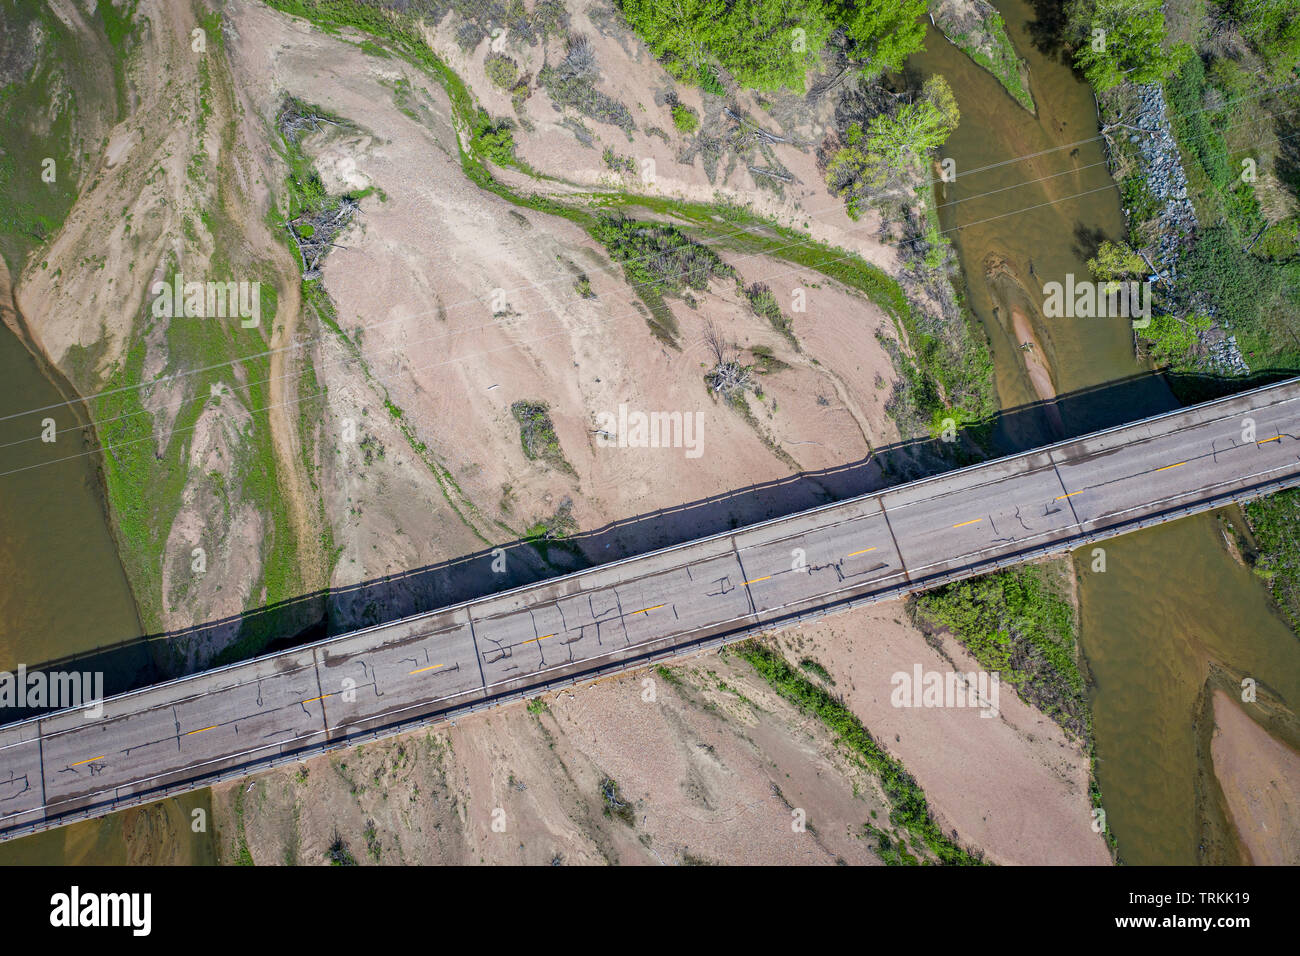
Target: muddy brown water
(62, 587)
(174, 832)
(63, 592)
(1172, 599)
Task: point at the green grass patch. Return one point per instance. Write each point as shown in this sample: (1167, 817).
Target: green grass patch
(1003, 63)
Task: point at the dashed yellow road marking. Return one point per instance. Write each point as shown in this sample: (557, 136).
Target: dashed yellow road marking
(965, 523)
(1070, 495)
(866, 551)
(644, 609)
(431, 667)
(534, 640)
(91, 760)
(314, 699)
(1167, 467)
(756, 580)
(193, 732)
(1267, 440)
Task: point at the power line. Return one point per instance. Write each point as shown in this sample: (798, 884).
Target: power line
(291, 402)
(708, 242)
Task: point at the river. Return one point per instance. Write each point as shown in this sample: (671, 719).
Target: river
(1172, 600)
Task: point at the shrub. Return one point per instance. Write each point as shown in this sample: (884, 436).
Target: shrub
(494, 141)
(685, 118)
(501, 70)
(660, 255)
(537, 432)
(1174, 340)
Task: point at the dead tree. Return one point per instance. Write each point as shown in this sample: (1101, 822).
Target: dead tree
(728, 377)
(294, 119)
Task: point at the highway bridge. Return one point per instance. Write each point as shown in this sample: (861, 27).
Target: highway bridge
(225, 723)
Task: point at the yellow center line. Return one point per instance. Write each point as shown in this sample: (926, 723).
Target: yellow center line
(91, 760)
(431, 667)
(533, 640)
(321, 697)
(192, 732)
(1274, 438)
(644, 609)
(965, 523)
(756, 580)
(856, 553)
(1070, 495)
(1167, 467)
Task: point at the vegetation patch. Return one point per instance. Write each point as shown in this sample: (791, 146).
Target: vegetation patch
(772, 46)
(889, 153)
(908, 807)
(40, 55)
(816, 669)
(660, 255)
(1273, 521)
(660, 260)
(1018, 624)
(990, 47)
(763, 303)
(501, 70)
(550, 533)
(685, 119)
(572, 85)
(1131, 46)
(537, 434)
(338, 853)
(494, 140)
(616, 805)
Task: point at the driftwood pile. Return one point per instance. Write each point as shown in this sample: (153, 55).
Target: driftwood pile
(314, 233)
(295, 119)
(316, 227)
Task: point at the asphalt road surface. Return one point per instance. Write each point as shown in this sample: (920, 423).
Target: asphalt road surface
(225, 723)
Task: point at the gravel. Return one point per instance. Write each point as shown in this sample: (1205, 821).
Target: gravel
(1162, 167)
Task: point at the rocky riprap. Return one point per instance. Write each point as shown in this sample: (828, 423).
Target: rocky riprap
(1148, 129)
(1224, 357)
(1162, 168)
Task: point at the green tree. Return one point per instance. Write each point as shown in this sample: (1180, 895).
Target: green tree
(677, 31)
(769, 44)
(1116, 260)
(905, 136)
(883, 33)
(893, 146)
(1124, 40)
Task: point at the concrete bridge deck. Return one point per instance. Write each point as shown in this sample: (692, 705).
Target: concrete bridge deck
(215, 725)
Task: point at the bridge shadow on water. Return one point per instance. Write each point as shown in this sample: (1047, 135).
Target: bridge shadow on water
(140, 661)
